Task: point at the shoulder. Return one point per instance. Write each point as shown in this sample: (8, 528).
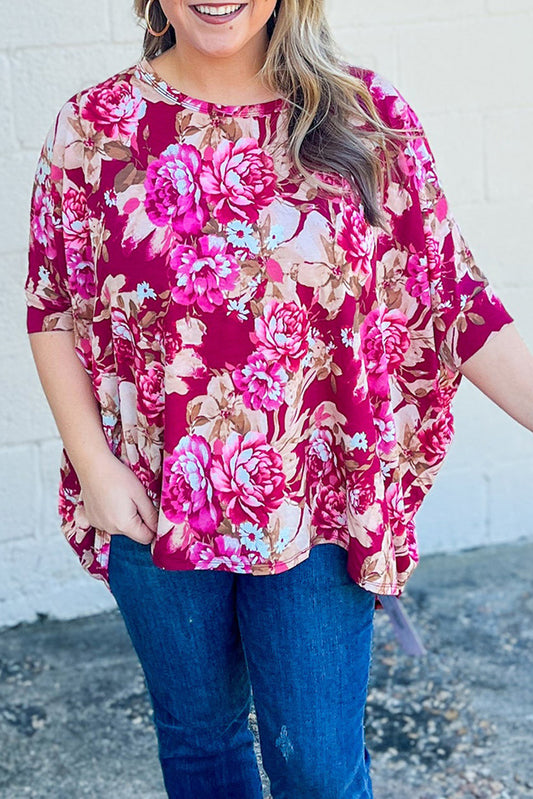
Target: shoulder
(111, 92)
(104, 98)
(389, 102)
(118, 81)
(410, 153)
(102, 112)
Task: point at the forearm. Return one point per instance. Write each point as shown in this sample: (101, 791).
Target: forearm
(115, 501)
(69, 394)
(503, 370)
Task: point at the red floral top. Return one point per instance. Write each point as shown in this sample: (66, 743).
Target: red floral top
(276, 372)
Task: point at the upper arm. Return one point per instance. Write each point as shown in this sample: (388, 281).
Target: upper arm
(47, 283)
(503, 370)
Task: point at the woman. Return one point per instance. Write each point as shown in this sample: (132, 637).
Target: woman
(250, 309)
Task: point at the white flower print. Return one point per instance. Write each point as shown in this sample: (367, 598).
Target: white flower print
(241, 234)
(110, 198)
(284, 537)
(238, 306)
(359, 441)
(145, 291)
(252, 537)
(43, 170)
(277, 236)
(44, 274)
(347, 336)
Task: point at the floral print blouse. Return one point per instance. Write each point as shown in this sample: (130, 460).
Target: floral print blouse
(277, 372)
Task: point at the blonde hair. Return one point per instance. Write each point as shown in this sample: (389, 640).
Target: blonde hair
(334, 126)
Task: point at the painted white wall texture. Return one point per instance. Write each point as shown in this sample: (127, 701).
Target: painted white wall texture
(467, 69)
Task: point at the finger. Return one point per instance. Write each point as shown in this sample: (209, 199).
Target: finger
(139, 531)
(145, 509)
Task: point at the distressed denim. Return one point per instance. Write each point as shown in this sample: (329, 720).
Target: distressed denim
(299, 641)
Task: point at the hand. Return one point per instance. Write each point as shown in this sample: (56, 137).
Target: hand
(116, 501)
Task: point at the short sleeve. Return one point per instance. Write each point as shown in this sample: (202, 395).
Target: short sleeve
(48, 300)
(441, 273)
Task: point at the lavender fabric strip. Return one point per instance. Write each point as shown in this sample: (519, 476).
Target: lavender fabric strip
(403, 627)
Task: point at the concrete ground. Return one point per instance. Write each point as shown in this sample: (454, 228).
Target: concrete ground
(458, 722)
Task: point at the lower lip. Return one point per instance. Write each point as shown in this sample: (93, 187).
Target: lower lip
(211, 19)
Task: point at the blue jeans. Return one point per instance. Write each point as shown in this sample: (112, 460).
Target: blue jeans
(300, 641)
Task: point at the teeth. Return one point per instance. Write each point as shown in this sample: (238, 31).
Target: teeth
(218, 11)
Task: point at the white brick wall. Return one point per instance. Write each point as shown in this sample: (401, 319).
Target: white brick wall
(467, 69)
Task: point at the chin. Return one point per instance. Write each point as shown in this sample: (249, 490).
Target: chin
(222, 50)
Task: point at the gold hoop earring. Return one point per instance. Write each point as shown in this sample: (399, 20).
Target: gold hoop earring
(147, 20)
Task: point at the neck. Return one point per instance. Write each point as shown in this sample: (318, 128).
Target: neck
(231, 80)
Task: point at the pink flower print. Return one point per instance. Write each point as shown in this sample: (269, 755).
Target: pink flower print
(202, 272)
(384, 90)
(74, 220)
(418, 278)
(142, 470)
(114, 110)
(125, 332)
(412, 545)
(44, 221)
(413, 161)
(385, 339)
(66, 504)
(385, 427)
(444, 395)
(150, 391)
(320, 457)
(360, 492)
(85, 354)
(239, 181)
(262, 381)
(187, 492)
(249, 478)
(404, 113)
(396, 508)
(434, 260)
(81, 273)
(357, 239)
(329, 515)
(173, 192)
(224, 551)
(102, 556)
(281, 333)
(171, 343)
(435, 439)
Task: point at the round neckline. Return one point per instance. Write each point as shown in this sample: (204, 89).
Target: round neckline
(150, 75)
